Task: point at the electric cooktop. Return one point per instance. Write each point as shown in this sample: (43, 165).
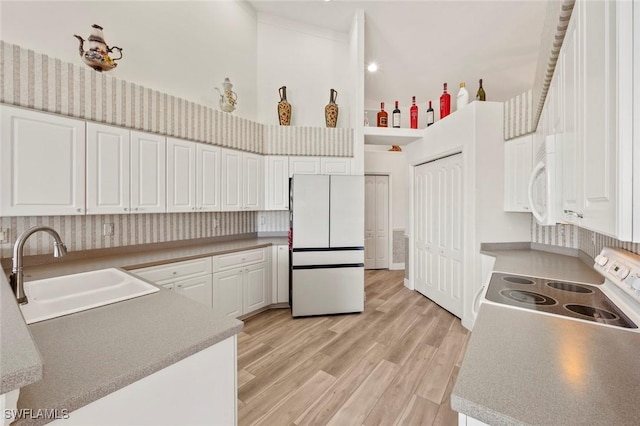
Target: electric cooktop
(569, 299)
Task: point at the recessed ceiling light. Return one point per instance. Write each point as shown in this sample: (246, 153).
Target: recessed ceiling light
(372, 67)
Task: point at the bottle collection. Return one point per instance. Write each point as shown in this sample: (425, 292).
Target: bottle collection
(462, 99)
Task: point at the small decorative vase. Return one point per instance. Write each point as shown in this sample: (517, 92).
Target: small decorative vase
(284, 108)
(228, 98)
(331, 110)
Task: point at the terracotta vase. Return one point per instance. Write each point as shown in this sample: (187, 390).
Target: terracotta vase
(284, 108)
(331, 110)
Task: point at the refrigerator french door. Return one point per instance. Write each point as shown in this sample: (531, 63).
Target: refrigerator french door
(327, 258)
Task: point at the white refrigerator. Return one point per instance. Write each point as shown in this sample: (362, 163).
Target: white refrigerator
(327, 249)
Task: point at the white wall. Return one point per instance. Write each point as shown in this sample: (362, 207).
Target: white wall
(309, 61)
(377, 160)
(183, 48)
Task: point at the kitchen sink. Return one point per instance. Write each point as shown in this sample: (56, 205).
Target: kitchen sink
(55, 297)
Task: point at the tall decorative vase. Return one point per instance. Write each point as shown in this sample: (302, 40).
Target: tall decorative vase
(331, 110)
(284, 108)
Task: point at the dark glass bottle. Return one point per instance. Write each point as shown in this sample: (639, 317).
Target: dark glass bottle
(396, 117)
(481, 96)
(430, 115)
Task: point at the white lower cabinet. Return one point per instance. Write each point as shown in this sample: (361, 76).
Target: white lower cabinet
(241, 283)
(199, 389)
(191, 278)
(240, 291)
(227, 292)
(280, 274)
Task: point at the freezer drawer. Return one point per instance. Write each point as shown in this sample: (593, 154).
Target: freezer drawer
(329, 290)
(327, 257)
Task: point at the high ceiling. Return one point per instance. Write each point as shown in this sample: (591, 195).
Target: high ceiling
(421, 44)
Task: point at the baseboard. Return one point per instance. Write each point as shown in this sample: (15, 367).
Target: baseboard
(407, 284)
(396, 266)
(467, 323)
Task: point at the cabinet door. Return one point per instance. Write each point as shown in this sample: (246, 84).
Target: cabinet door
(208, 178)
(148, 173)
(572, 143)
(256, 287)
(107, 169)
(282, 265)
(597, 20)
(277, 183)
(335, 166)
(304, 166)
(227, 292)
(252, 179)
(198, 289)
(181, 175)
(42, 164)
(231, 180)
(517, 170)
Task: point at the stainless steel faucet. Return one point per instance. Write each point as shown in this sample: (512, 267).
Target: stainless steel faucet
(17, 279)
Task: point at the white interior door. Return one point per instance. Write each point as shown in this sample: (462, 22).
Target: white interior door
(438, 238)
(376, 222)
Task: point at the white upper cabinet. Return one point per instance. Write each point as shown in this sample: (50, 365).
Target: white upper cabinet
(181, 175)
(208, 177)
(42, 162)
(276, 180)
(304, 166)
(108, 173)
(242, 181)
(335, 166)
(231, 180)
(252, 181)
(517, 169)
(193, 176)
(148, 173)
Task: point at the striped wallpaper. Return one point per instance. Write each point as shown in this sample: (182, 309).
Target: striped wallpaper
(296, 140)
(37, 81)
(572, 236)
(273, 221)
(85, 232)
(522, 113)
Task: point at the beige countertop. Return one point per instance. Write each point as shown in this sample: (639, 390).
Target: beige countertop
(523, 367)
(90, 354)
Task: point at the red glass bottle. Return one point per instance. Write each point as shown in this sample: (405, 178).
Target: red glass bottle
(413, 113)
(445, 103)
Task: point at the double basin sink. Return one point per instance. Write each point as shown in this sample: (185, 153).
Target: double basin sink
(54, 297)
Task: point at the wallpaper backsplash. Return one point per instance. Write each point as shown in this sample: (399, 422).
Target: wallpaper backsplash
(574, 237)
(39, 82)
(85, 232)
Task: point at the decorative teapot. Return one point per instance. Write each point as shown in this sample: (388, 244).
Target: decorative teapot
(97, 57)
(228, 98)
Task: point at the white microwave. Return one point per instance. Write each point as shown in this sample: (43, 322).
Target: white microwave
(545, 182)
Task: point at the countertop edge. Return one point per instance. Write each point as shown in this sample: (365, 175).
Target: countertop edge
(482, 413)
(84, 399)
(27, 365)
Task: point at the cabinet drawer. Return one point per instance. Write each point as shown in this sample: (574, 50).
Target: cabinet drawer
(233, 260)
(175, 270)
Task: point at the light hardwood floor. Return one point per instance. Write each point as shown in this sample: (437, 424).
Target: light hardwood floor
(395, 363)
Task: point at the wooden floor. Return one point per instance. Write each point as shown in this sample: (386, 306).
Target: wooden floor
(396, 363)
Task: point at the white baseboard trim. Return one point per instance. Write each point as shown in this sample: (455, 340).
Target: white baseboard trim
(396, 266)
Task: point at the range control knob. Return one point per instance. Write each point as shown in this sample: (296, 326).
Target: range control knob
(622, 273)
(601, 260)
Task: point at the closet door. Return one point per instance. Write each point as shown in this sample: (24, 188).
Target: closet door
(376, 235)
(438, 225)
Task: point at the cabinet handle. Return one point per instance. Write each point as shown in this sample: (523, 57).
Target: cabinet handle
(575, 214)
(136, 209)
(126, 209)
(175, 273)
(79, 210)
